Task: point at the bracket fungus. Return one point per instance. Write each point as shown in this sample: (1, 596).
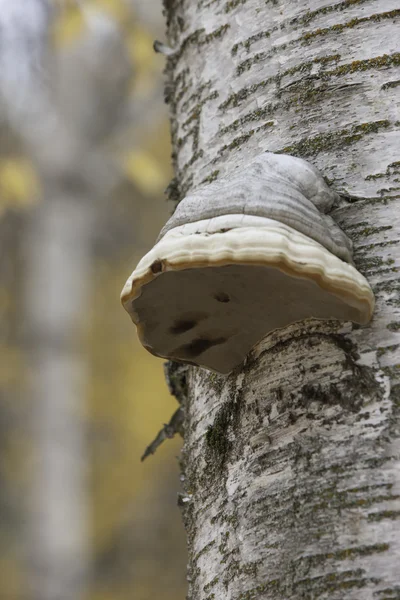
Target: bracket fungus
(240, 258)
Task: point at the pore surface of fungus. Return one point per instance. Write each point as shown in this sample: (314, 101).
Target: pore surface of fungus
(241, 258)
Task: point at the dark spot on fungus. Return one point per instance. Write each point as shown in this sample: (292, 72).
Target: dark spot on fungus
(187, 322)
(222, 297)
(197, 347)
(156, 266)
(182, 326)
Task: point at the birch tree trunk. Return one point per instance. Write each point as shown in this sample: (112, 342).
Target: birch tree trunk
(291, 464)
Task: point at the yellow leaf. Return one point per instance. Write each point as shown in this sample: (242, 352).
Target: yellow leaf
(19, 185)
(140, 46)
(70, 24)
(145, 172)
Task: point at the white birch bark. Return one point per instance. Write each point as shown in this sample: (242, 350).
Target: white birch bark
(291, 464)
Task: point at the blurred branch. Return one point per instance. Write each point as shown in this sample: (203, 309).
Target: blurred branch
(169, 430)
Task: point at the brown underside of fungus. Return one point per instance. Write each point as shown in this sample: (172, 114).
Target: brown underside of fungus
(240, 258)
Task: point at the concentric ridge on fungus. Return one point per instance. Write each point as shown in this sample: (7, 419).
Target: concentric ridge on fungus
(212, 287)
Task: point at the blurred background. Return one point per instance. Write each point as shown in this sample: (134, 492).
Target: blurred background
(84, 162)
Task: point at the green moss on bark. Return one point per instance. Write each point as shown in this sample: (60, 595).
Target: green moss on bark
(336, 139)
(340, 27)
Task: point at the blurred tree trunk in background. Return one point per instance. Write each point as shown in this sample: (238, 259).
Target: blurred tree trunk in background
(84, 159)
(61, 138)
(291, 464)
(57, 297)
(54, 291)
(68, 105)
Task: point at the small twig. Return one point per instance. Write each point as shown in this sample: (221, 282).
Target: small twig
(168, 431)
(163, 48)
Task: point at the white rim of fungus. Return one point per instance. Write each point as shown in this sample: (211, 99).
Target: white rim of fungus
(253, 241)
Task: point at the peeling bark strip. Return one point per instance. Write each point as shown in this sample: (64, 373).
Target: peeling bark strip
(291, 465)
